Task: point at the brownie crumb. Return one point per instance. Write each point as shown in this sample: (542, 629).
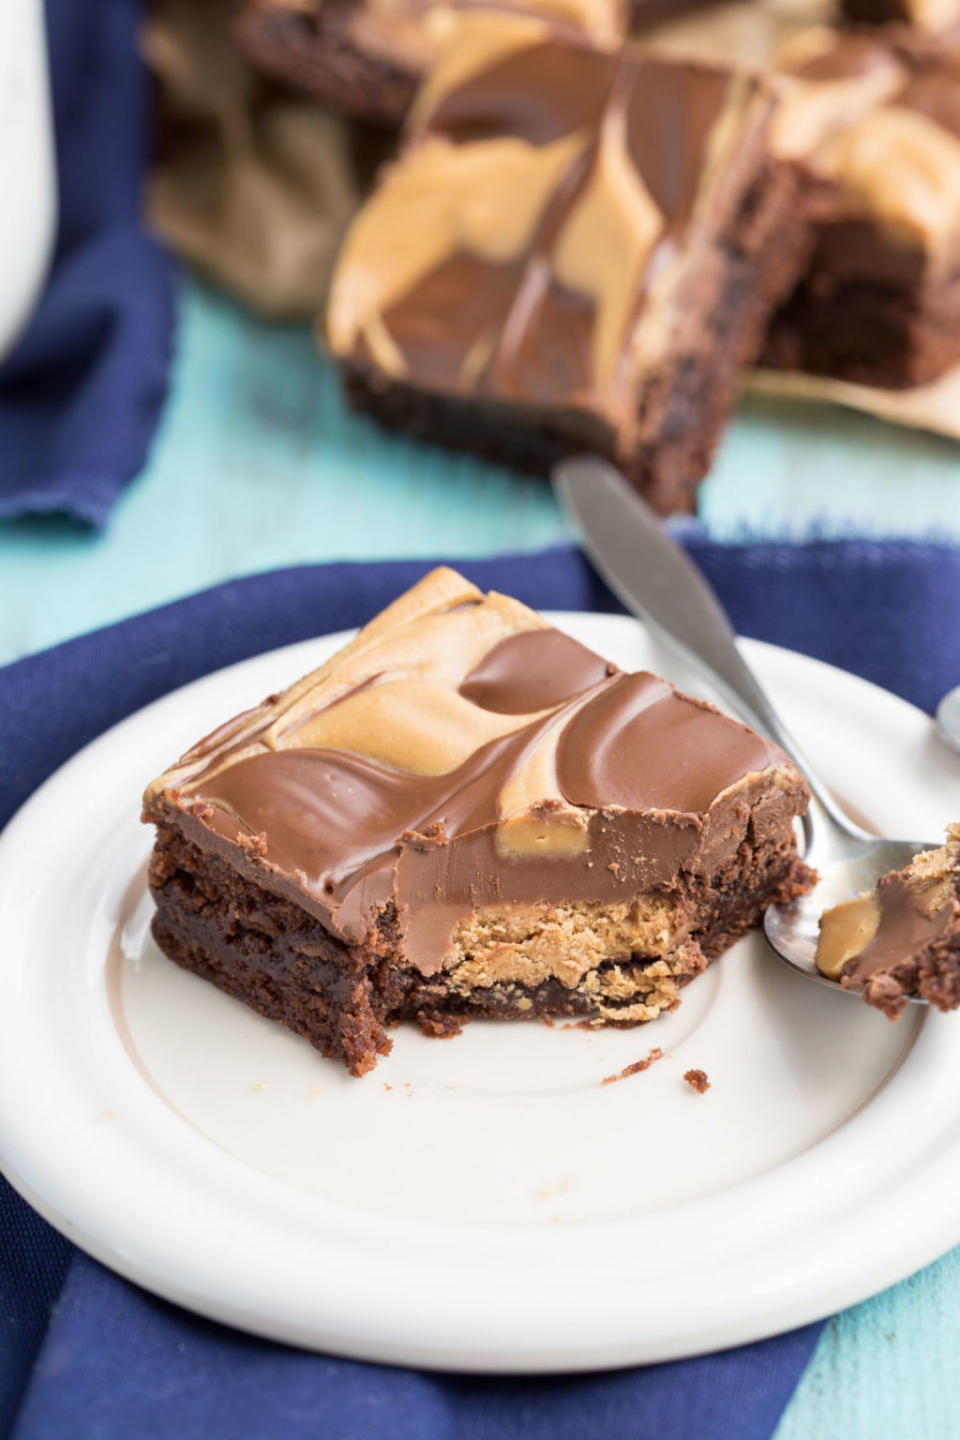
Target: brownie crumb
(636, 1067)
(697, 1080)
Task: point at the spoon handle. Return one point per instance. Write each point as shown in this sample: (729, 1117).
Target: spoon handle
(657, 580)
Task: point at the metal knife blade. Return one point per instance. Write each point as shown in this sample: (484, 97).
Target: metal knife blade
(655, 578)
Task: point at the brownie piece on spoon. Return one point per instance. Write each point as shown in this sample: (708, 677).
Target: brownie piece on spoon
(879, 302)
(902, 940)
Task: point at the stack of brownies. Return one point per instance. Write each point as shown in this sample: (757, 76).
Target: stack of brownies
(584, 241)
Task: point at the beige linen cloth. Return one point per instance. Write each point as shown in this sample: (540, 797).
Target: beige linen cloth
(254, 185)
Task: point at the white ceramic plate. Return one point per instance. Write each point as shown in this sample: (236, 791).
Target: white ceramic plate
(483, 1203)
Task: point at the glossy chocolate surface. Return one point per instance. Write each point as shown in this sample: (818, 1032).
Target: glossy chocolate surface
(519, 771)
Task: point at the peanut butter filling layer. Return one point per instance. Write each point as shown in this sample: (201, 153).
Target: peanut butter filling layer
(529, 944)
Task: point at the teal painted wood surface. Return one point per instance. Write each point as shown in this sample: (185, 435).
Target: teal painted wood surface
(258, 465)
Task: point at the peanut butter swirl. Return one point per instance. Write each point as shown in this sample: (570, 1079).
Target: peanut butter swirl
(531, 243)
(460, 752)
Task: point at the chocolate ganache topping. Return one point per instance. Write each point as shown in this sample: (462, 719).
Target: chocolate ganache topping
(461, 752)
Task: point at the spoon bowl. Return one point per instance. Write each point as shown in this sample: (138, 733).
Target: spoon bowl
(948, 719)
(793, 930)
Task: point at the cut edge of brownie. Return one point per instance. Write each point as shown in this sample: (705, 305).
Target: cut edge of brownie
(262, 948)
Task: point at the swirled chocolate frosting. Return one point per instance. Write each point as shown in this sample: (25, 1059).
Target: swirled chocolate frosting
(461, 752)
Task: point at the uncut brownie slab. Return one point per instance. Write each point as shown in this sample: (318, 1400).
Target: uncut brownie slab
(880, 301)
(577, 250)
(466, 813)
(367, 58)
(901, 940)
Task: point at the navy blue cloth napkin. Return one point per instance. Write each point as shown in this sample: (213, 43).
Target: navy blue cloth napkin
(82, 391)
(115, 1362)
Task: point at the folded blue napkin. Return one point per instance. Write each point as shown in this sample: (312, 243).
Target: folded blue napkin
(81, 393)
(114, 1362)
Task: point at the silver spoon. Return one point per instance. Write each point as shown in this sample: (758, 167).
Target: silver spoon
(948, 719)
(655, 579)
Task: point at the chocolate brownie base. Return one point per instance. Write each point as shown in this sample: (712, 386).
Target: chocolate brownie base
(868, 334)
(315, 53)
(266, 951)
(683, 408)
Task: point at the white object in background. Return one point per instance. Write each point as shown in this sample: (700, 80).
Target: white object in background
(27, 176)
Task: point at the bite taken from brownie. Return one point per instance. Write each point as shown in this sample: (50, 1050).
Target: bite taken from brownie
(576, 250)
(465, 813)
(901, 941)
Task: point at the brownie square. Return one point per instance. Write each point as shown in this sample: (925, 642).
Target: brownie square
(880, 301)
(464, 814)
(577, 250)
